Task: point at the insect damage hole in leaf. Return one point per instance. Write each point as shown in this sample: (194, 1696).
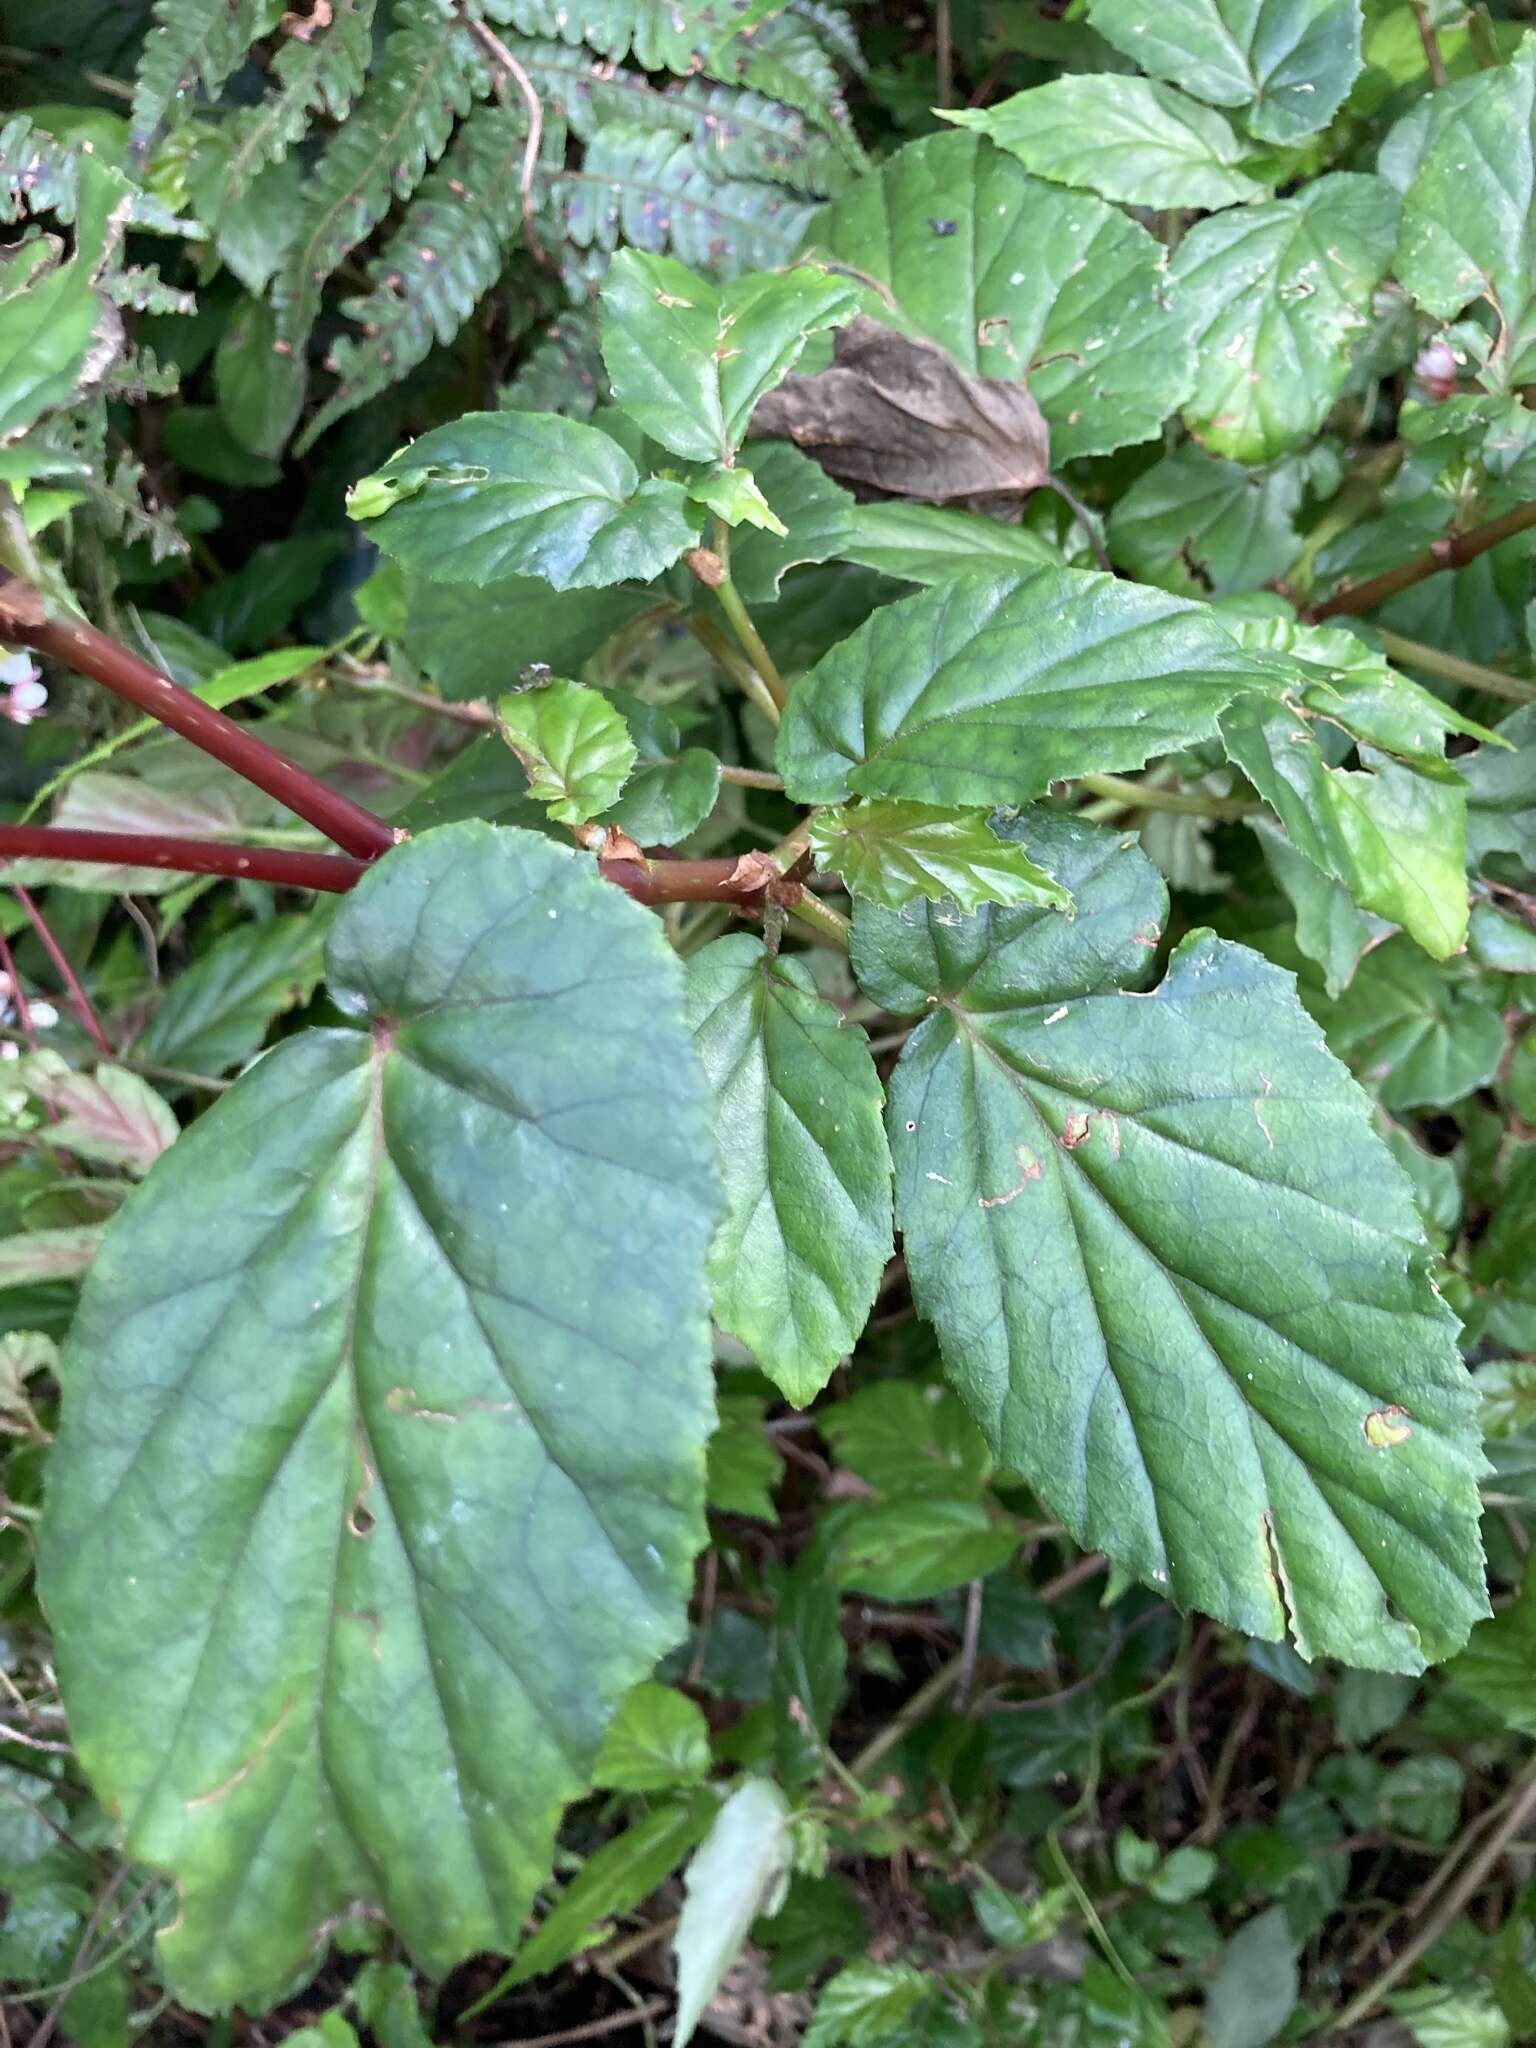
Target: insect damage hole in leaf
(474, 1197)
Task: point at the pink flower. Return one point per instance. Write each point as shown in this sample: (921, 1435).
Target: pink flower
(1438, 367)
(25, 692)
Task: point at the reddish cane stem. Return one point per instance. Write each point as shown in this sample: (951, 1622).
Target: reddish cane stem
(183, 856)
(1454, 552)
(24, 621)
(683, 881)
(79, 1000)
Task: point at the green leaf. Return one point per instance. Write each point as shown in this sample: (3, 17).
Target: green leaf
(1501, 792)
(915, 1549)
(574, 747)
(260, 386)
(807, 1230)
(988, 689)
(892, 853)
(1437, 2018)
(1329, 929)
(1287, 63)
(907, 1440)
(217, 1014)
(613, 1880)
(1498, 1666)
(402, 1346)
(866, 2004)
(688, 360)
(656, 1740)
(1139, 1225)
(523, 494)
(1279, 296)
(744, 1467)
(931, 543)
(476, 650)
(1423, 1036)
(816, 513)
(733, 495)
(1256, 1985)
(60, 334)
(1394, 838)
(1021, 279)
(110, 1116)
(1201, 526)
(738, 1873)
(1464, 162)
(1124, 138)
(1421, 1797)
(810, 1666)
(672, 788)
(62, 1254)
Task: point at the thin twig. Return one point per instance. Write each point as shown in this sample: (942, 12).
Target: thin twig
(750, 778)
(1453, 552)
(974, 1593)
(80, 1002)
(501, 56)
(1521, 1806)
(1472, 674)
(592, 2030)
(329, 871)
(1142, 796)
(1431, 41)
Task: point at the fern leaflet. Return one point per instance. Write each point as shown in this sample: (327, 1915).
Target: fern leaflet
(322, 72)
(446, 253)
(428, 76)
(192, 42)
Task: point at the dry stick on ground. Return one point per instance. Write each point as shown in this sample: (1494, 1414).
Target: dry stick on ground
(1521, 1806)
(1454, 552)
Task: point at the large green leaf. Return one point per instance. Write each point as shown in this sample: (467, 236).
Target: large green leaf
(382, 1458)
(1124, 138)
(1501, 792)
(932, 543)
(807, 1230)
(1022, 279)
(216, 1014)
(1176, 1277)
(500, 494)
(1465, 161)
(688, 359)
(1286, 63)
(1279, 295)
(987, 689)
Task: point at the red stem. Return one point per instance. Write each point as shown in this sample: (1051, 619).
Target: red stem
(24, 621)
(77, 995)
(184, 856)
(1454, 552)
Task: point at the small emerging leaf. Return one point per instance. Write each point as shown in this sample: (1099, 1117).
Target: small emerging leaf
(574, 747)
(894, 852)
(739, 1872)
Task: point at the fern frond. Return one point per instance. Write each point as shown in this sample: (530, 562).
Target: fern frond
(445, 255)
(428, 76)
(563, 371)
(40, 174)
(192, 42)
(834, 28)
(649, 188)
(741, 134)
(139, 374)
(319, 74)
(141, 286)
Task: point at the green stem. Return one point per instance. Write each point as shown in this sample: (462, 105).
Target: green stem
(741, 623)
(1471, 674)
(740, 670)
(1141, 796)
(822, 918)
(750, 778)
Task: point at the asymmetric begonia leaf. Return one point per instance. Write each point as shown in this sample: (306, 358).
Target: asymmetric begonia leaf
(1176, 1276)
(500, 494)
(1022, 279)
(1287, 63)
(1203, 526)
(1423, 1035)
(1279, 297)
(987, 689)
(381, 1467)
(1124, 138)
(807, 1170)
